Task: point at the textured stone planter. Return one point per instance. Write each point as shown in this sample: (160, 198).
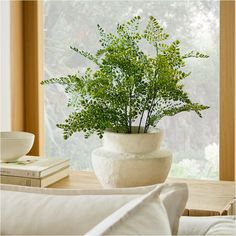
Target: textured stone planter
(129, 160)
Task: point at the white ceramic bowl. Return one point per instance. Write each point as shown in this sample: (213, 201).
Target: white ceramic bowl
(15, 145)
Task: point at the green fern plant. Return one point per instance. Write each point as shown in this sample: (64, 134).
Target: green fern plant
(128, 84)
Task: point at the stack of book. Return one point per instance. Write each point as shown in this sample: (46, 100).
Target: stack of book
(34, 171)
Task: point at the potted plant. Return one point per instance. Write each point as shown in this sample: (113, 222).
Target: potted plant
(127, 86)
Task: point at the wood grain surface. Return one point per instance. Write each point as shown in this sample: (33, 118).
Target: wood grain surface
(206, 198)
(227, 90)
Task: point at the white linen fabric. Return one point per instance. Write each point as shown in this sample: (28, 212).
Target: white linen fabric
(27, 210)
(145, 215)
(209, 225)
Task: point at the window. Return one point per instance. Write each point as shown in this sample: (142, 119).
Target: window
(193, 141)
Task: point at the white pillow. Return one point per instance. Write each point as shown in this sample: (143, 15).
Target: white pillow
(28, 210)
(145, 215)
(223, 228)
(207, 225)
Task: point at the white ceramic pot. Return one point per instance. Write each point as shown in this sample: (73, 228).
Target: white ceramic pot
(130, 160)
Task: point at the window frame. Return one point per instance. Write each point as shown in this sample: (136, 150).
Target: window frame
(27, 72)
(227, 90)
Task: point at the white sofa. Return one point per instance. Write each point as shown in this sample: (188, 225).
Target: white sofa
(210, 225)
(151, 210)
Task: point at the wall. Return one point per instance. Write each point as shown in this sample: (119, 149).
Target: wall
(5, 66)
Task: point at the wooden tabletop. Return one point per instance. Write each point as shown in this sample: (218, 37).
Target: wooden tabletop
(206, 198)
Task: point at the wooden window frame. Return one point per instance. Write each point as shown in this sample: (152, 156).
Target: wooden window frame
(27, 72)
(227, 90)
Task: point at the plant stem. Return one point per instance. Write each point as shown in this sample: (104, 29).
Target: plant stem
(153, 100)
(149, 114)
(140, 121)
(126, 118)
(141, 118)
(156, 48)
(130, 111)
(148, 117)
(130, 125)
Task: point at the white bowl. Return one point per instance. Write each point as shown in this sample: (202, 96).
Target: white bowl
(15, 145)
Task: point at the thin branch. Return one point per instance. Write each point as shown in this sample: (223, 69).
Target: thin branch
(151, 107)
(149, 114)
(140, 120)
(130, 111)
(126, 115)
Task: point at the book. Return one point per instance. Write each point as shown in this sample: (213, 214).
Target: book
(33, 167)
(35, 182)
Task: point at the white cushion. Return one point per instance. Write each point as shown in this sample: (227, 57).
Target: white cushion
(145, 215)
(50, 211)
(222, 228)
(210, 225)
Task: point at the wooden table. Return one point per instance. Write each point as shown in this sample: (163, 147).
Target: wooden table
(206, 198)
